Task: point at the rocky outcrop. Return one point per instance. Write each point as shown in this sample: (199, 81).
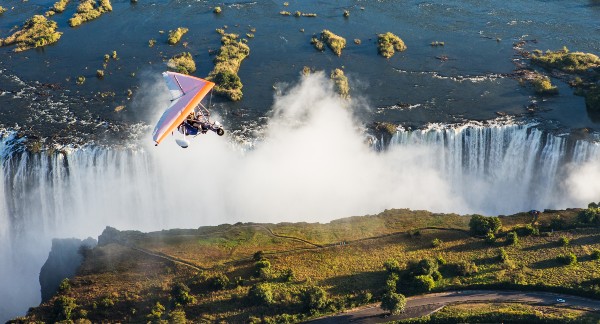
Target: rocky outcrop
(63, 261)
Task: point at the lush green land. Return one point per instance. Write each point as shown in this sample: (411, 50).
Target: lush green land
(303, 270)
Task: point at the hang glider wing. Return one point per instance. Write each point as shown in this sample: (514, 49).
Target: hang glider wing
(187, 92)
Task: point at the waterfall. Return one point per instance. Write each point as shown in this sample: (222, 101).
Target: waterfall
(518, 167)
(488, 169)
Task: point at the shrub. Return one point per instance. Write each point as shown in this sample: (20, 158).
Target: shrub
(388, 44)
(151, 42)
(227, 63)
(512, 238)
(36, 32)
(89, 10)
(262, 268)
(217, 10)
(391, 283)
(436, 275)
(543, 86)
(441, 261)
(481, 225)
(466, 268)
(258, 255)
(218, 282)
(595, 254)
(340, 83)
(288, 275)
(436, 242)
(319, 45)
(107, 302)
(156, 312)
(565, 60)
(567, 259)
(346, 13)
(2, 10)
(80, 80)
(261, 294)
(65, 285)
(527, 230)
(424, 267)
(63, 307)
(175, 35)
(393, 303)
(423, 283)
(392, 266)
(177, 316)
(563, 241)
(589, 216)
(490, 238)
(336, 43)
(502, 255)
(181, 294)
(100, 74)
(314, 299)
(182, 63)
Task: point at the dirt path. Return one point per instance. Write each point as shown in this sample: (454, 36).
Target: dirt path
(418, 306)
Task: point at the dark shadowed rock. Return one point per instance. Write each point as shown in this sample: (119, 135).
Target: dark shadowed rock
(63, 261)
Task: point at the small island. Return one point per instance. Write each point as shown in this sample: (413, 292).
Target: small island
(227, 64)
(36, 32)
(388, 44)
(89, 10)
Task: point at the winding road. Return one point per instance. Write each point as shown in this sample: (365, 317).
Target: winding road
(418, 306)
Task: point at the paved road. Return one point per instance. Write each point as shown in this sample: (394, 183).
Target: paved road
(425, 304)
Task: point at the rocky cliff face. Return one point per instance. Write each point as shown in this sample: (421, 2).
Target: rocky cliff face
(63, 261)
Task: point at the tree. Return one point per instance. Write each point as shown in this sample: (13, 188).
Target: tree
(436, 242)
(564, 241)
(218, 282)
(181, 294)
(314, 299)
(512, 238)
(481, 225)
(393, 303)
(466, 268)
(392, 265)
(424, 267)
(262, 268)
(423, 283)
(177, 316)
(64, 306)
(392, 282)
(261, 294)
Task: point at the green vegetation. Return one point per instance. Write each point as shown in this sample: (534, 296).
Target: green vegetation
(182, 63)
(294, 272)
(393, 303)
(357, 41)
(64, 307)
(436, 242)
(285, 13)
(388, 44)
(89, 10)
(346, 13)
(227, 64)
(36, 32)
(340, 82)
(319, 45)
(217, 10)
(566, 61)
(100, 74)
(58, 7)
(175, 35)
(583, 68)
(512, 238)
(80, 80)
(151, 42)
(568, 259)
(564, 241)
(334, 42)
(542, 85)
(482, 225)
(2, 10)
(506, 313)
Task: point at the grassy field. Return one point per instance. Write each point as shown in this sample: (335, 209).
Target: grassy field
(309, 269)
(506, 312)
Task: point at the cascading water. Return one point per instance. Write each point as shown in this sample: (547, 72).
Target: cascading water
(503, 168)
(292, 174)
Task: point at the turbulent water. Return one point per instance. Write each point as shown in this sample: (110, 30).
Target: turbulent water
(311, 163)
(308, 158)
